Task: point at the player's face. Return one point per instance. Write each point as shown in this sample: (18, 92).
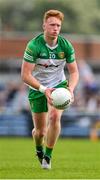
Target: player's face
(52, 27)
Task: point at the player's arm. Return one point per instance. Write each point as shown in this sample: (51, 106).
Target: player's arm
(26, 74)
(72, 67)
(73, 75)
(28, 66)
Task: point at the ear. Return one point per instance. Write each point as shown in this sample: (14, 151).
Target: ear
(43, 26)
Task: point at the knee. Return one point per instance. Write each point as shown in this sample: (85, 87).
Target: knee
(54, 116)
(54, 119)
(33, 131)
(41, 132)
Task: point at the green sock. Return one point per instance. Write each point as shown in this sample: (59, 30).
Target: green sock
(39, 148)
(48, 152)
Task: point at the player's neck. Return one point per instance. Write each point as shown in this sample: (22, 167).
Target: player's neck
(50, 41)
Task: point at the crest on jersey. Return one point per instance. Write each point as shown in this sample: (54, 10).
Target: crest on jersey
(61, 55)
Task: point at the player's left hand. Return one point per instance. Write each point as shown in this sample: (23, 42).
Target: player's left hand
(48, 92)
(72, 94)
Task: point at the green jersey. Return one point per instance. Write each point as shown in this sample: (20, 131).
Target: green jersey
(50, 61)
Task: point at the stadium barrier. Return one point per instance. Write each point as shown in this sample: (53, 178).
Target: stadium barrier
(74, 124)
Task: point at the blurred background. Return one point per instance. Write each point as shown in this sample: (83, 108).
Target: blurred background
(20, 21)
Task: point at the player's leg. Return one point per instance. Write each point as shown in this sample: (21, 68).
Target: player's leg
(39, 111)
(54, 125)
(54, 128)
(39, 132)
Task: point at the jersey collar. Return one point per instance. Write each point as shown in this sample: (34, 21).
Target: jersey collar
(51, 47)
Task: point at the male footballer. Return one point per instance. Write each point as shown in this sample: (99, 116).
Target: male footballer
(43, 70)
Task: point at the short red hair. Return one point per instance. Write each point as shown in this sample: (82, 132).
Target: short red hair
(53, 13)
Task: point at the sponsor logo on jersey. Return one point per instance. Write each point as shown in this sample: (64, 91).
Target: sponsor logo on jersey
(61, 55)
(46, 65)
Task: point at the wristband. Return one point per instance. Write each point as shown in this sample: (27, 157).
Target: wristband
(42, 88)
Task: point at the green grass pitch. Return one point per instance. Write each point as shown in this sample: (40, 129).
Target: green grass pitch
(72, 159)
